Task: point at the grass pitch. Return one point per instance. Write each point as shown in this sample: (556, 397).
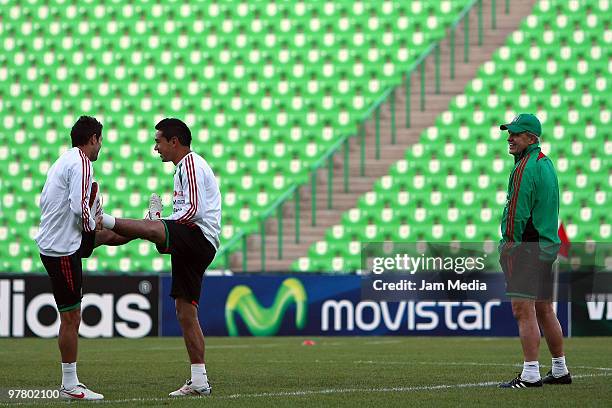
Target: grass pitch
(336, 371)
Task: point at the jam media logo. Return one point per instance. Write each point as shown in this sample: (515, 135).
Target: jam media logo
(265, 321)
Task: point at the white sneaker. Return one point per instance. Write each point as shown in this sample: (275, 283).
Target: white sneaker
(190, 390)
(79, 392)
(155, 207)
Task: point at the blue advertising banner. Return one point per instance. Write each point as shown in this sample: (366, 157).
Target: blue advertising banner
(285, 305)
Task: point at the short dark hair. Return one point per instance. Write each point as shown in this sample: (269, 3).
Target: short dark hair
(171, 127)
(83, 129)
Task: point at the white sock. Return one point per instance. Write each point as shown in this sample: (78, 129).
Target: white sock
(198, 375)
(559, 369)
(531, 371)
(108, 221)
(69, 375)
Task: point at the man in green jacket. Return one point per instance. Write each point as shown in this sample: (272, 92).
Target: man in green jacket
(528, 249)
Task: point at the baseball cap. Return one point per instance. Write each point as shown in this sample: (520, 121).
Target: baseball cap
(524, 122)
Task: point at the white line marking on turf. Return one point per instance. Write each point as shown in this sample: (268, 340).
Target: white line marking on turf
(301, 393)
(383, 342)
(437, 363)
(218, 346)
(406, 363)
(594, 368)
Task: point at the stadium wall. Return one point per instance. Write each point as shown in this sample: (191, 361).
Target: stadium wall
(268, 305)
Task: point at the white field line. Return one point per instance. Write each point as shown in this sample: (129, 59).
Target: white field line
(594, 368)
(404, 363)
(301, 393)
(436, 363)
(215, 346)
(382, 342)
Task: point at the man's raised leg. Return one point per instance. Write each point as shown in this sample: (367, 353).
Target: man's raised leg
(154, 231)
(110, 238)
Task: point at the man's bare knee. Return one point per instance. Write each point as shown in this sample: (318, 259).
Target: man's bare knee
(522, 309)
(544, 309)
(186, 313)
(184, 318)
(155, 232)
(71, 318)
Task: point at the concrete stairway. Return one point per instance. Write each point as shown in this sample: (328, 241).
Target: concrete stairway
(389, 153)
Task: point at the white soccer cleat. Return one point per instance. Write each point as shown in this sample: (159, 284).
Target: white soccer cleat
(189, 390)
(79, 392)
(155, 207)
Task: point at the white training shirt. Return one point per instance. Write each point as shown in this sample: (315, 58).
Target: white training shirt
(197, 199)
(64, 205)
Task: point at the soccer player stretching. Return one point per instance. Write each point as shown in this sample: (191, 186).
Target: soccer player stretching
(67, 234)
(190, 235)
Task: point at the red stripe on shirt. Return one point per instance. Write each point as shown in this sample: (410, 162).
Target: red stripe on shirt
(193, 190)
(85, 200)
(194, 198)
(84, 184)
(82, 190)
(518, 176)
(512, 204)
(188, 213)
(513, 201)
(84, 197)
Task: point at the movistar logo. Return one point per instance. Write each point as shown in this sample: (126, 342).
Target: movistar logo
(262, 321)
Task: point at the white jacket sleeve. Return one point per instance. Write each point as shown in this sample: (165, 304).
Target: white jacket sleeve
(193, 193)
(80, 176)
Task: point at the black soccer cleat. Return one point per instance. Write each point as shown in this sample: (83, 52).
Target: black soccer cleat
(518, 383)
(549, 378)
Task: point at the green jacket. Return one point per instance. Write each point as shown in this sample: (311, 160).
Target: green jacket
(532, 204)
